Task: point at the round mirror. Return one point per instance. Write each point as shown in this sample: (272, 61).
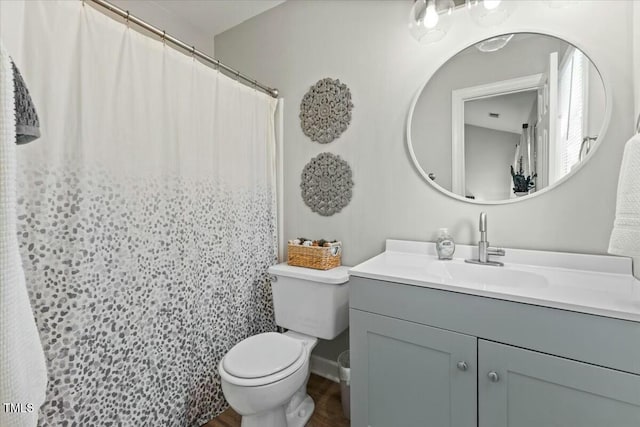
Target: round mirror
(507, 117)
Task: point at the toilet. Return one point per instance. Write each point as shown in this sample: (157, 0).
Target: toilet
(264, 377)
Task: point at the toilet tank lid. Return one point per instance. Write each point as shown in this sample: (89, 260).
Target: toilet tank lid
(335, 276)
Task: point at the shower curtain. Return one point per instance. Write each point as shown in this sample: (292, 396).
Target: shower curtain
(146, 219)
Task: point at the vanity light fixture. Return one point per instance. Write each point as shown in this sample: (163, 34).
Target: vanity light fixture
(429, 20)
(489, 13)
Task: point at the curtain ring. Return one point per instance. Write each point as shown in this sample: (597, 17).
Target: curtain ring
(127, 18)
(255, 85)
(164, 37)
(218, 65)
(237, 75)
(193, 52)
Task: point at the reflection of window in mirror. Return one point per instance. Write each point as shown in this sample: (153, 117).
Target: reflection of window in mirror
(573, 89)
(580, 106)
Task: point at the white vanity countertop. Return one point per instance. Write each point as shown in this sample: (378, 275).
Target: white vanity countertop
(594, 284)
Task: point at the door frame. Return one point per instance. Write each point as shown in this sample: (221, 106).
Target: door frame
(459, 97)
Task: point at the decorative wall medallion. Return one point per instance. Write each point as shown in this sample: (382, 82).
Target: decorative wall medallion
(325, 111)
(326, 184)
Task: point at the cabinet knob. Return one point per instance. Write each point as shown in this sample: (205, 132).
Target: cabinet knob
(493, 377)
(462, 366)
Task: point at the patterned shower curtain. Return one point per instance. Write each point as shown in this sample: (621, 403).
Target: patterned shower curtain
(146, 219)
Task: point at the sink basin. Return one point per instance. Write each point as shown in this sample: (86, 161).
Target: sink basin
(490, 278)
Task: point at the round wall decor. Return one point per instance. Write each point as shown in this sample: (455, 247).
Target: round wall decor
(325, 110)
(326, 184)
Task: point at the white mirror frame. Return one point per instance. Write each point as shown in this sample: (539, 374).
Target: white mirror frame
(460, 154)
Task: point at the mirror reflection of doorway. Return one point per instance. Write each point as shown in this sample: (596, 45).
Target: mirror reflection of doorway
(521, 135)
(494, 140)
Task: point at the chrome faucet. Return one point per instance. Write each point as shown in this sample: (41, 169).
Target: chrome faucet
(484, 250)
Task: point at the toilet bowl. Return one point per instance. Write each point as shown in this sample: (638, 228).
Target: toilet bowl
(264, 377)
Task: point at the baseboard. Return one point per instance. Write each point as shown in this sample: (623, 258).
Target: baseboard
(325, 368)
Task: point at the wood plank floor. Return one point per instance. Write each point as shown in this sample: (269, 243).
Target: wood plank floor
(328, 412)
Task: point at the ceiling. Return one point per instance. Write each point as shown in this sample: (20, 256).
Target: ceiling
(196, 21)
(514, 110)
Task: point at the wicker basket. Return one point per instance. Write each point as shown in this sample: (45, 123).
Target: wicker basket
(320, 258)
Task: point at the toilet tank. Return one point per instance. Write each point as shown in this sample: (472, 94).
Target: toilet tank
(313, 302)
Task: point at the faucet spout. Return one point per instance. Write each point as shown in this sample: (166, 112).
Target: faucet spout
(483, 222)
(484, 250)
(482, 225)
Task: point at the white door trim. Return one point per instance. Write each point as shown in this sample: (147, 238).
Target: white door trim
(458, 98)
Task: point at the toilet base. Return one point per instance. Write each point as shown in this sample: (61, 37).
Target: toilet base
(275, 418)
(299, 416)
(296, 417)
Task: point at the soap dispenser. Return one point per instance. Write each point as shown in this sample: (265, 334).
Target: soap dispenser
(445, 245)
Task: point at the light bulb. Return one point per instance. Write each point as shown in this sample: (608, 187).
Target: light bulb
(489, 13)
(429, 20)
(491, 4)
(431, 16)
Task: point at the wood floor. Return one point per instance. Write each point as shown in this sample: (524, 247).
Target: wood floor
(328, 413)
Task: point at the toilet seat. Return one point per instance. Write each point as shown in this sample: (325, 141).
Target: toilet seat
(263, 359)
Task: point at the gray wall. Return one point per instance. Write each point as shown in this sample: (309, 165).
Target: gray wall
(367, 45)
(488, 153)
(178, 26)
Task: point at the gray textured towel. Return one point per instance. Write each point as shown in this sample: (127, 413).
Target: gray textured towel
(27, 123)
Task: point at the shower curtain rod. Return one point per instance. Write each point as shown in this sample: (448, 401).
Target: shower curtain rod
(195, 52)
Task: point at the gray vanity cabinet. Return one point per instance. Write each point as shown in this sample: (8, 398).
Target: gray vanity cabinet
(522, 388)
(410, 374)
(427, 357)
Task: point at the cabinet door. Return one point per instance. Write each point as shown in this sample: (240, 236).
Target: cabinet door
(407, 374)
(522, 388)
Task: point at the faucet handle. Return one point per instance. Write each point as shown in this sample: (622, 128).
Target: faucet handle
(496, 251)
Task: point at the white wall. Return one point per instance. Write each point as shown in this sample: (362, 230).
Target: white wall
(488, 153)
(366, 44)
